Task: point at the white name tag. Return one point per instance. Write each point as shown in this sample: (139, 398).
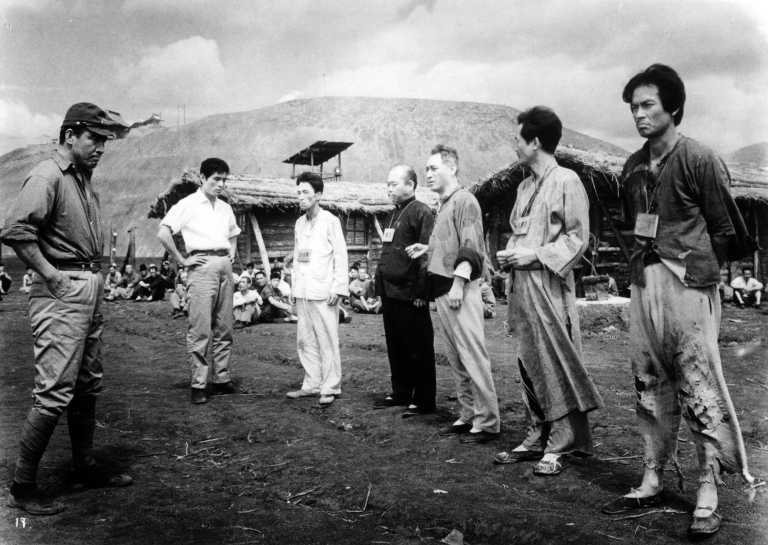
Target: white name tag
(646, 225)
(304, 255)
(389, 235)
(521, 226)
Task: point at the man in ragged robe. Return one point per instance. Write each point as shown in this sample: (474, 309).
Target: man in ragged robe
(550, 223)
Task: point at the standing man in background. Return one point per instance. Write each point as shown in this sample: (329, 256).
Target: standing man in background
(402, 285)
(456, 260)
(686, 225)
(550, 231)
(320, 279)
(210, 232)
(55, 229)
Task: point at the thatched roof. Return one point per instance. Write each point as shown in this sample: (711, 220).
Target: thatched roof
(602, 171)
(598, 168)
(244, 192)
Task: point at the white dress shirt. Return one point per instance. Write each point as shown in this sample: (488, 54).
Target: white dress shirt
(326, 271)
(204, 227)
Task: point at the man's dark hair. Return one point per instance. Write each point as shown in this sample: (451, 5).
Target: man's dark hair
(671, 88)
(448, 155)
(249, 265)
(745, 269)
(212, 166)
(259, 272)
(312, 179)
(79, 130)
(542, 123)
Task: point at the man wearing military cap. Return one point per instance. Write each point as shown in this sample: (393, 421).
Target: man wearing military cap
(55, 229)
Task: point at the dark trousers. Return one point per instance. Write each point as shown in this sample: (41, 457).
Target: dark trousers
(411, 350)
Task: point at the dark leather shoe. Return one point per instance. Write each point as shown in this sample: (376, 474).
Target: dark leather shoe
(479, 437)
(391, 402)
(456, 429)
(29, 498)
(224, 389)
(98, 477)
(416, 411)
(622, 504)
(704, 526)
(197, 396)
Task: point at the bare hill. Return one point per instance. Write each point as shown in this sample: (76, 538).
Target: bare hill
(384, 131)
(756, 153)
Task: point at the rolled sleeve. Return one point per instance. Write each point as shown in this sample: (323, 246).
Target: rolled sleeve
(234, 230)
(31, 210)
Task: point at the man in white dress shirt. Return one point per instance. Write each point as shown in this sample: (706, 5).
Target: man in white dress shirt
(210, 236)
(319, 280)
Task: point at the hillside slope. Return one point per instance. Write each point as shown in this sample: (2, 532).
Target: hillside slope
(756, 153)
(384, 131)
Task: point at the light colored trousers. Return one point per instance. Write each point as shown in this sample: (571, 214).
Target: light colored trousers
(676, 364)
(210, 290)
(67, 329)
(317, 341)
(463, 332)
(247, 313)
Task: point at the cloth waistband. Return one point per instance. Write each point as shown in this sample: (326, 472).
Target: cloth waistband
(92, 266)
(219, 253)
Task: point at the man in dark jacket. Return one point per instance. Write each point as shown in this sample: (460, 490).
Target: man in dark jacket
(401, 284)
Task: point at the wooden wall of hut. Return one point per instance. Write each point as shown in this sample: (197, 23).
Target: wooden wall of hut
(603, 200)
(755, 214)
(277, 230)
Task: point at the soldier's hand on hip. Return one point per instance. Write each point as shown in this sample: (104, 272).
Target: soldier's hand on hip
(59, 284)
(333, 299)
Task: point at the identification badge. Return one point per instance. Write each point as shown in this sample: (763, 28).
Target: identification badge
(521, 226)
(304, 255)
(389, 235)
(646, 225)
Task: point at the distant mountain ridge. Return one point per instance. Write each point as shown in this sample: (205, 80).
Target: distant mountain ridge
(384, 131)
(756, 153)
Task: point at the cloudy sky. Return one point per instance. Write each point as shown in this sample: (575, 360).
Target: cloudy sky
(143, 56)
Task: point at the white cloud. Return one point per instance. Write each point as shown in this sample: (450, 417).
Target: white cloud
(187, 72)
(19, 126)
(294, 95)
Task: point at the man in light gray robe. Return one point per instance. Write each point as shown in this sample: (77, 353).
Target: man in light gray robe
(550, 222)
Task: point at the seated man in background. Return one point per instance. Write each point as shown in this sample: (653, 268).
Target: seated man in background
(246, 304)
(250, 273)
(489, 301)
(180, 297)
(125, 286)
(150, 288)
(276, 306)
(168, 274)
(112, 279)
(361, 294)
(27, 281)
(746, 289)
(5, 281)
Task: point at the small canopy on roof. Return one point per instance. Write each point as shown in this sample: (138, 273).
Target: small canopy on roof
(318, 153)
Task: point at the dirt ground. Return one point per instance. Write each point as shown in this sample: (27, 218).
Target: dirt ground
(259, 468)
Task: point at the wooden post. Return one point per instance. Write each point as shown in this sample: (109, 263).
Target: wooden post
(260, 242)
(616, 232)
(378, 228)
(756, 256)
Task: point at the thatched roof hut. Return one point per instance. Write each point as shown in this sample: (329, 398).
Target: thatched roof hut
(244, 192)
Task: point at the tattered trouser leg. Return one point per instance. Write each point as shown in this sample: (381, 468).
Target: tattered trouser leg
(464, 338)
(568, 434)
(676, 364)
